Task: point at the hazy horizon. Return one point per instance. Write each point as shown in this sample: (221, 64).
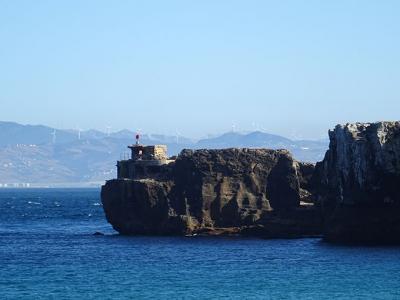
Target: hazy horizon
(290, 68)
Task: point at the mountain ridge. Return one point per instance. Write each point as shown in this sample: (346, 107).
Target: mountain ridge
(39, 154)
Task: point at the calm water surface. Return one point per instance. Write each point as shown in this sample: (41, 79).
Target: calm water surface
(48, 251)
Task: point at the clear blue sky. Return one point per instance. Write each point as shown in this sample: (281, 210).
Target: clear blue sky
(294, 68)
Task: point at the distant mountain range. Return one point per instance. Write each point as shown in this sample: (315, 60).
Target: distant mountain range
(44, 156)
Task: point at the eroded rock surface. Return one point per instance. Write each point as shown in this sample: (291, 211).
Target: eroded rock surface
(248, 191)
(358, 183)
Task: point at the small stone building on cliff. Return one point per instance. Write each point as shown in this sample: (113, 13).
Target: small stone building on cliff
(144, 163)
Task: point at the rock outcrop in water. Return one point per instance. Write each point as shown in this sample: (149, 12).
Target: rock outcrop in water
(358, 183)
(355, 190)
(246, 191)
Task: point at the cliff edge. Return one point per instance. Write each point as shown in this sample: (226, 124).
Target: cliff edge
(358, 183)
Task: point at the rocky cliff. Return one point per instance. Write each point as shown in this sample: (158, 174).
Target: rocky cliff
(358, 183)
(354, 191)
(247, 191)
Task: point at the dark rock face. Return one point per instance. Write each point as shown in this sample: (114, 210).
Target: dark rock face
(358, 183)
(248, 191)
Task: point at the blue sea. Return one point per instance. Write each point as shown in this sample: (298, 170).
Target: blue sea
(48, 251)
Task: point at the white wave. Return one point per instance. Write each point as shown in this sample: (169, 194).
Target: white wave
(35, 203)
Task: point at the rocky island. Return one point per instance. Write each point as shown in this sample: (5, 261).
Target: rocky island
(353, 195)
(229, 191)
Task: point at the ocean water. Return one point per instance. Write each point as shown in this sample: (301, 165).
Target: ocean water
(48, 251)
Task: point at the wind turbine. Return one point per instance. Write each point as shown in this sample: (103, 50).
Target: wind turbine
(54, 136)
(177, 134)
(108, 130)
(233, 127)
(79, 130)
(256, 127)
